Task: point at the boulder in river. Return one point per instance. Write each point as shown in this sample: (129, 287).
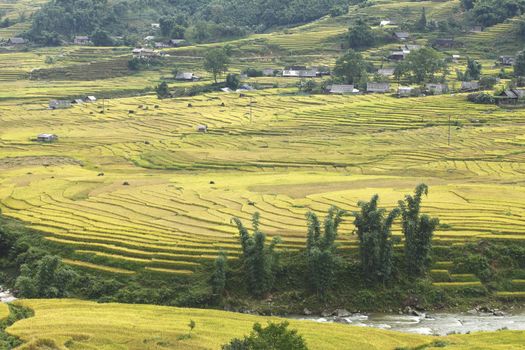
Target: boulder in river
(342, 313)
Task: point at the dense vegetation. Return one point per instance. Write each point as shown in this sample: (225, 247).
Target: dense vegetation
(203, 20)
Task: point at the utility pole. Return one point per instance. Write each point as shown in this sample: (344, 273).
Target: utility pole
(103, 105)
(251, 114)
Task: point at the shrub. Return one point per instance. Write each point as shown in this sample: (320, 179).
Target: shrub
(275, 336)
(481, 98)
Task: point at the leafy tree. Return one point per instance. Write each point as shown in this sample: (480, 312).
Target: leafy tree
(360, 35)
(101, 38)
(166, 26)
(467, 4)
(421, 24)
(376, 244)
(216, 62)
(46, 278)
(321, 249)
(218, 278)
(233, 81)
(191, 325)
(273, 337)
(421, 65)
(162, 90)
(259, 261)
(519, 64)
(418, 230)
(473, 71)
(351, 67)
(307, 86)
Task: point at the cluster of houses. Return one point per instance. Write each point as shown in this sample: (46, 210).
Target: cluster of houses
(63, 104)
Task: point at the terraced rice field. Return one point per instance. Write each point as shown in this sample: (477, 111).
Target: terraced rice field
(138, 189)
(86, 325)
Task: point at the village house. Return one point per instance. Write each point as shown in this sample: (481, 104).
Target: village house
(59, 104)
(303, 72)
(342, 89)
(269, 72)
(177, 42)
(90, 99)
(155, 25)
(476, 29)
(186, 76)
(506, 60)
(377, 87)
(404, 91)
(161, 45)
(469, 85)
(385, 23)
(16, 41)
(436, 89)
(386, 72)
(398, 55)
(455, 58)
(47, 138)
(202, 128)
(81, 40)
(511, 97)
(401, 36)
(144, 53)
(411, 47)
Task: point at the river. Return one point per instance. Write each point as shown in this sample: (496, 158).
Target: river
(432, 323)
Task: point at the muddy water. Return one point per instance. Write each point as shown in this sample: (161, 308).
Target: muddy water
(433, 323)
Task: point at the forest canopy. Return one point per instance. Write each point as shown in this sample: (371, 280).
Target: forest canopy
(202, 20)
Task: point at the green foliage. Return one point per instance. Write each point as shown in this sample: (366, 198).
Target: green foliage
(233, 81)
(481, 98)
(218, 278)
(421, 66)
(519, 65)
(360, 35)
(473, 71)
(490, 12)
(45, 278)
(216, 62)
(260, 262)
(487, 83)
(375, 240)
(101, 38)
(421, 24)
(418, 230)
(16, 313)
(274, 336)
(162, 90)
(351, 67)
(321, 250)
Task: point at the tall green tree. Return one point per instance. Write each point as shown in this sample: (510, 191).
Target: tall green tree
(162, 90)
(519, 64)
(418, 230)
(260, 261)
(45, 278)
(351, 67)
(421, 66)
(376, 244)
(216, 62)
(421, 24)
(218, 278)
(360, 35)
(473, 71)
(321, 249)
(101, 38)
